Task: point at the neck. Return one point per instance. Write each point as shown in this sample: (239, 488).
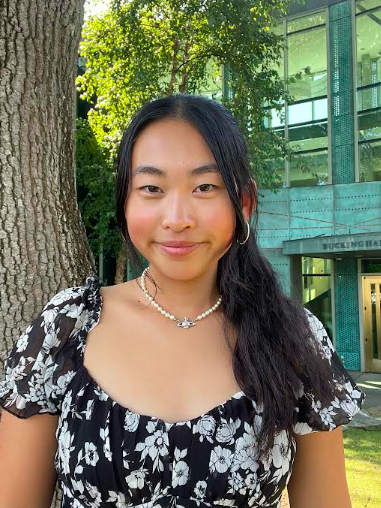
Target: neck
(183, 296)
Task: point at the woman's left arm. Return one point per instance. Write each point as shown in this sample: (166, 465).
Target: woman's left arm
(318, 478)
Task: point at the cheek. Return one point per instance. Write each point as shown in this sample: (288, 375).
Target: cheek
(220, 225)
(140, 222)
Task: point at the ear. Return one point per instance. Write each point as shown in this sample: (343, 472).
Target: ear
(248, 206)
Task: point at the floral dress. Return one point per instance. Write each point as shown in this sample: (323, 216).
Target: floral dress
(109, 456)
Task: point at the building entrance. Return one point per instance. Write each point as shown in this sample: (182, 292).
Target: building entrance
(372, 322)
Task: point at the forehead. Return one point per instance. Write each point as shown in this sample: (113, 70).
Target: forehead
(170, 142)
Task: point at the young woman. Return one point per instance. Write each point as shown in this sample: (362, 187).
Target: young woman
(197, 384)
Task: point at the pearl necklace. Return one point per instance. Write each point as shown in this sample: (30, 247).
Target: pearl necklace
(185, 323)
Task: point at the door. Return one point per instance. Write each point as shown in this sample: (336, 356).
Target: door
(372, 322)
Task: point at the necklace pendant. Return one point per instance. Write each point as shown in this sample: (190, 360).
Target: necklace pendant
(186, 323)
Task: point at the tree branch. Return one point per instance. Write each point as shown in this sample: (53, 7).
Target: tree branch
(173, 70)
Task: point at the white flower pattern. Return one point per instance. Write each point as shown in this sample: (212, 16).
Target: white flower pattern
(108, 455)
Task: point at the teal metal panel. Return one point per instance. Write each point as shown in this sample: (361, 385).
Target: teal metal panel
(311, 211)
(342, 93)
(347, 313)
(281, 265)
(306, 212)
(357, 208)
(273, 218)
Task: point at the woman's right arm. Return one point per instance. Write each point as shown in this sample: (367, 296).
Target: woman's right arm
(27, 449)
(31, 393)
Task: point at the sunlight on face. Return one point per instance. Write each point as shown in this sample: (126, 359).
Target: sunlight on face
(167, 202)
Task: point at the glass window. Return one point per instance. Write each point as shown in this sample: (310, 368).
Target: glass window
(274, 119)
(308, 137)
(371, 265)
(368, 28)
(369, 97)
(277, 172)
(305, 125)
(279, 30)
(309, 144)
(307, 63)
(307, 111)
(369, 48)
(294, 25)
(370, 161)
(365, 5)
(317, 294)
(369, 125)
(309, 168)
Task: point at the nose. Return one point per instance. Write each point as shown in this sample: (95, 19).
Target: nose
(178, 213)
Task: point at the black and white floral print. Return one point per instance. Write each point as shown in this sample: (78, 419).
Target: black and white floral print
(111, 457)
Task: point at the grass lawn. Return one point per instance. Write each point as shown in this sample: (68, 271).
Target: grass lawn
(363, 465)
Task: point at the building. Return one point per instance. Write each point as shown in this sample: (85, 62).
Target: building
(321, 230)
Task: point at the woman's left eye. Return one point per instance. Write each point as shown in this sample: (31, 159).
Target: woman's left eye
(207, 185)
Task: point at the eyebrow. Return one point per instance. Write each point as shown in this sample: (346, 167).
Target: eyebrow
(151, 170)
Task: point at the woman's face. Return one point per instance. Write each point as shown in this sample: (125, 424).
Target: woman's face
(170, 203)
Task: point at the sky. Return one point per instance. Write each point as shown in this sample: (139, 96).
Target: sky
(93, 7)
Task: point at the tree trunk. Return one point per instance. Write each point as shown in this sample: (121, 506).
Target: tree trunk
(121, 262)
(43, 244)
(185, 71)
(172, 81)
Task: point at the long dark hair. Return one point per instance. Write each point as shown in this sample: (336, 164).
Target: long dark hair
(275, 350)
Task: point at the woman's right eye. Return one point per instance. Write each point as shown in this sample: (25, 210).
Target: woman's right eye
(149, 186)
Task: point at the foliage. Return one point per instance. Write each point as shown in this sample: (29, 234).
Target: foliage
(141, 50)
(95, 190)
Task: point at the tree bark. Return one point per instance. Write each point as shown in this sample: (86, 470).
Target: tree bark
(43, 244)
(121, 262)
(185, 75)
(172, 81)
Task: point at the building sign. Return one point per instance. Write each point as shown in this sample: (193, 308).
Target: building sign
(352, 245)
(326, 246)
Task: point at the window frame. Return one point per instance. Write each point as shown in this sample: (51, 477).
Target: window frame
(286, 105)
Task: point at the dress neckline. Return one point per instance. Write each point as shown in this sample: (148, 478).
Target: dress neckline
(93, 284)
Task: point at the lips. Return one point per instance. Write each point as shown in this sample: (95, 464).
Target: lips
(177, 244)
(179, 248)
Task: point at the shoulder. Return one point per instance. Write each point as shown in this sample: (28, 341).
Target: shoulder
(321, 339)
(70, 300)
(64, 316)
(48, 352)
(315, 324)
(347, 397)
(121, 298)
(77, 304)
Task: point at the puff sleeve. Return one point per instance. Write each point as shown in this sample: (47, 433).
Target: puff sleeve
(311, 415)
(40, 365)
